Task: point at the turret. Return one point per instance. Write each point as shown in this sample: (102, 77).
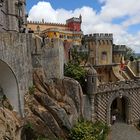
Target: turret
(74, 24)
(91, 81)
(91, 91)
(100, 48)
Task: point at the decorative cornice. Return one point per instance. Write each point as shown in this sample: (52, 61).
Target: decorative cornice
(46, 23)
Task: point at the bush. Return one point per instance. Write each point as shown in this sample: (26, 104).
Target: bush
(86, 130)
(76, 72)
(31, 89)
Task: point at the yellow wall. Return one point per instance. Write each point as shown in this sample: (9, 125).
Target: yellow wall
(117, 58)
(97, 48)
(61, 29)
(104, 47)
(66, 36)
(44, 26)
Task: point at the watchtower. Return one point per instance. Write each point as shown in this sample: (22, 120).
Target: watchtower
(100, 48)
(74, 24)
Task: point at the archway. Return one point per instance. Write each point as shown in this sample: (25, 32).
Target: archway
(125, 99)
(9, 85)
(119, 108)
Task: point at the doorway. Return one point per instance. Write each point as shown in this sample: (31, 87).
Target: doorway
(119, 108)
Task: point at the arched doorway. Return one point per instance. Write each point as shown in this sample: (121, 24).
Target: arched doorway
(9, 85)
(120, 108)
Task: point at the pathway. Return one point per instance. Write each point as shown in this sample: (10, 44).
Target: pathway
(122, 131)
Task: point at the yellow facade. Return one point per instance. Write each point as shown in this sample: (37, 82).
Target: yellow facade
(70, 36)
(53, 30)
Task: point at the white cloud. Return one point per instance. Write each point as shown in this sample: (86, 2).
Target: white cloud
(94, 22)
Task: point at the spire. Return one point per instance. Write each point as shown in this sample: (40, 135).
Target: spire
(80, 17)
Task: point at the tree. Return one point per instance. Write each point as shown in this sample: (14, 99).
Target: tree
(130, 54)
(79, 56)
(76, 72)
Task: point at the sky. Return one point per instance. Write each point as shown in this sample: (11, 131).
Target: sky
(120, 17)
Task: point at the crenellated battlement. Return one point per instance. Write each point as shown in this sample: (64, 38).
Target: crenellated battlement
(119, 48)
(46, 23)
(99, 36)
(120, 85)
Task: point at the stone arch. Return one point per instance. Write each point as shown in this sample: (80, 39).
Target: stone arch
(9, 85)
(127, 97)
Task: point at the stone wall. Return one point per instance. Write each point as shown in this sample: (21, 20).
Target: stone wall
(15, 56)
(107, 93)
(49, 55)
(12, 15)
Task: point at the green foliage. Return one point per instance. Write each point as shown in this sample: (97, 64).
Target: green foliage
(78, 56)
(29, 126)
(40, 138)
(32, 89)
(76, 72)
(86, 130)
(129, 54)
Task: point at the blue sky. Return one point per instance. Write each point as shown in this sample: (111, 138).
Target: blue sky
(120, 17)
(67, 4)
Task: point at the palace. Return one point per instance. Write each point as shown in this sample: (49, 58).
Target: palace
(113, 86)
(71, 31)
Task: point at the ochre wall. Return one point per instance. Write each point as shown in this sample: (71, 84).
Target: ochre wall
(44, 26)
(104, 46)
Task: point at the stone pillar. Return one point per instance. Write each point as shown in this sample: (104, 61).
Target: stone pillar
(129, 119)
(92, 98)
(108, 117)
(96, 52)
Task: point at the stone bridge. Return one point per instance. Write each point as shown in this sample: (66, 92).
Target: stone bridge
(106, 95)
(19, 55)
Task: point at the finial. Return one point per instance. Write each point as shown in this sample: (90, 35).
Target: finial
(80, 17)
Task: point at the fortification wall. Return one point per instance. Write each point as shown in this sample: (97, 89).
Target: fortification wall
(15, 53)
(99, 36)
(100, 47)
(107, 93)
(49, 55)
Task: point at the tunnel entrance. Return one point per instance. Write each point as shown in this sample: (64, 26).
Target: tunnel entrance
(9, 85)
(119, 108)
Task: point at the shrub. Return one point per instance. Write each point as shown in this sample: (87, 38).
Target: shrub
(76, 72)
(32, 89)
(86, 130)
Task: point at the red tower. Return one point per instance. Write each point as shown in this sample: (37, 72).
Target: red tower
(74, 24)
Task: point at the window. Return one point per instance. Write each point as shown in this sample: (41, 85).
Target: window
(104, 55)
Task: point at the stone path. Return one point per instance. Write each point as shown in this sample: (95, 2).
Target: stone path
(122, 131)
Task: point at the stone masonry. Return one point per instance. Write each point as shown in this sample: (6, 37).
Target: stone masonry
(19, 55)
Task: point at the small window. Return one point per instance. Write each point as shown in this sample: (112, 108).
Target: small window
(92, 80)
(104, 55)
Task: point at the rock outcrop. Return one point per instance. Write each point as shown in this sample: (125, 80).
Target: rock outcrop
(10, 125)
(53, 107)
